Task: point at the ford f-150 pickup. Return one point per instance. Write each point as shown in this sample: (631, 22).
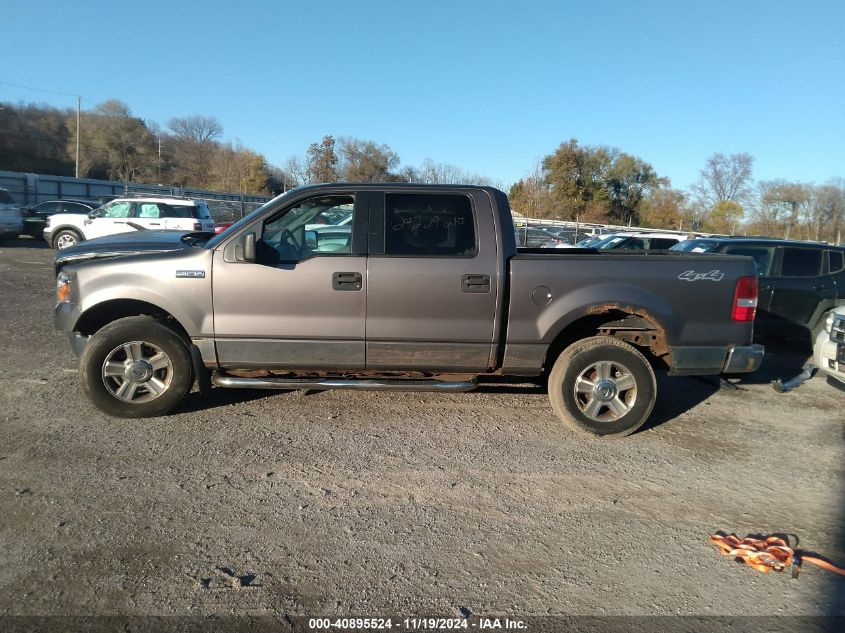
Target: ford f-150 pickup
(401, 287)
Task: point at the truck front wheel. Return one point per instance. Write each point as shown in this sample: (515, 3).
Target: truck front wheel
(136, 367)
(602, 387)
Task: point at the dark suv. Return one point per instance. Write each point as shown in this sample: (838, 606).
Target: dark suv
(800, 282)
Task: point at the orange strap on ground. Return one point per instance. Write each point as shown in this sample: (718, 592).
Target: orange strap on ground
(766, 554)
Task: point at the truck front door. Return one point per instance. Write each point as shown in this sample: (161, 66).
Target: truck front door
(302, 303)
(432, 282)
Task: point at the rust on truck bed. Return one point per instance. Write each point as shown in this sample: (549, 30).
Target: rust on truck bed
(646, 333)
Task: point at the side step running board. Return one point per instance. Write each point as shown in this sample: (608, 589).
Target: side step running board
(222, 380)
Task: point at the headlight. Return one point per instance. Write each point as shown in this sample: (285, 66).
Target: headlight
(828, 324)
(63, 288)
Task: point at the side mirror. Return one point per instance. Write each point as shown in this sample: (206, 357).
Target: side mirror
(249, 247)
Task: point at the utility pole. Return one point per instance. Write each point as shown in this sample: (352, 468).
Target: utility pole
(159, 159)
(78, 112)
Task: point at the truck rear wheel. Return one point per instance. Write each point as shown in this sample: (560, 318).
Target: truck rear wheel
(602, 387)
(136, 367)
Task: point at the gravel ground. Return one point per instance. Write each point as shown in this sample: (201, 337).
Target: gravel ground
(350, 503)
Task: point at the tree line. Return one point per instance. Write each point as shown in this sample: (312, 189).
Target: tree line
(190, 152)
(575, 182)
(605, 185)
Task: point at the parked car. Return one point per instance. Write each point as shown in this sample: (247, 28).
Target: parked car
(11, 216)
(641, 241)
(829, 348)
(35, 217)
(429, 293)
(127, 215)
(531, 237)
(801, 283)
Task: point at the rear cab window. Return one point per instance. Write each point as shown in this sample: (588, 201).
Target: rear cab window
(429, 225)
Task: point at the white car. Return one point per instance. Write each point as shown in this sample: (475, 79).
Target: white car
(128, 214)
(11, 216)
(829, 347)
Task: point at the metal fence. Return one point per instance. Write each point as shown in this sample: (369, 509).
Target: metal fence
(30, 189)
(567, 232)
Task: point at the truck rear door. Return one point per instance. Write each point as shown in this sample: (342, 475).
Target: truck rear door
(432, 281)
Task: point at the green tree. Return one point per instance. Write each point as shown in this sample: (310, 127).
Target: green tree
(597, 183)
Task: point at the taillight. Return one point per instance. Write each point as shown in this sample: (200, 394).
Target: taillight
(197, 226)
(745, 300)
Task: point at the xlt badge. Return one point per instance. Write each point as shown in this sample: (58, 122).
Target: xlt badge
(193, 274)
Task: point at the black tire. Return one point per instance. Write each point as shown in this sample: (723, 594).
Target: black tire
(627, 409)
(152, 337)
(69, 233)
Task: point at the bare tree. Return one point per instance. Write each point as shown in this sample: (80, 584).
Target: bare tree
(197, 128)
(725, 178)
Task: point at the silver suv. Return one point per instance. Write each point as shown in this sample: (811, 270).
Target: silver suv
(11, 216)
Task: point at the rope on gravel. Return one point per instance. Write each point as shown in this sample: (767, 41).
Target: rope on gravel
(768, 553)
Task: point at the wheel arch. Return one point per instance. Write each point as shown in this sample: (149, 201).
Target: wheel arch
(631, 324)
(101, 314)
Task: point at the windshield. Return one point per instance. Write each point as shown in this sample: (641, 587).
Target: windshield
(695, 246)
(610, 241)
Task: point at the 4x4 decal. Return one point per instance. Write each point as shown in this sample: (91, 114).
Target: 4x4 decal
(691, 275)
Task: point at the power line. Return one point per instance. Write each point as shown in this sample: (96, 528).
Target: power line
(54, 92)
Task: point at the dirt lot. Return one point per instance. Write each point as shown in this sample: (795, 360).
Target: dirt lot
(351, 503)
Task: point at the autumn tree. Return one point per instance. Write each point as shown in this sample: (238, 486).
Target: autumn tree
(117, 145)
(365, 161)
(665, 208)
(321, 161)
(33, 138)
(724, 217)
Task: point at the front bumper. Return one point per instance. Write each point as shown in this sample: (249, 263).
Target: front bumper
(829, 356)
(65, 317)
(743, 359)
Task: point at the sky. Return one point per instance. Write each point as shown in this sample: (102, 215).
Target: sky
(489, 86)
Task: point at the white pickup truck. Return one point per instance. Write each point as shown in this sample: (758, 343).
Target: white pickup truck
(829, 348)
(128, 214)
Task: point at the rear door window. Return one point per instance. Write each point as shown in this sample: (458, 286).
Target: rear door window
(149, 210)
(429, 225)
(47, 208)
(762, 255)
(801, 262)
(836, 261)
(662, 242)
(75, 207)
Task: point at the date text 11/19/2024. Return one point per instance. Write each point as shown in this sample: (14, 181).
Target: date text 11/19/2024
(411, 624)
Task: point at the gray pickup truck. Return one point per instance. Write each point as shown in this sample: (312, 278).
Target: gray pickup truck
(401, 287)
